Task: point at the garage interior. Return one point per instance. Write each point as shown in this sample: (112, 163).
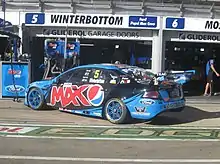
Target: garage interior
(4, 48)
(193, 55)
(98, 51)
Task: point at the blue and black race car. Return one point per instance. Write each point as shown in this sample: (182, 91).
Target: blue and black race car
(114, 92)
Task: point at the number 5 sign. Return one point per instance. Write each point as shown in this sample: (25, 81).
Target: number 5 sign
(175, 23)
(34, 18)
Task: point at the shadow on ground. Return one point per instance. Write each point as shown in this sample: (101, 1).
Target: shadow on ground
(189, 114)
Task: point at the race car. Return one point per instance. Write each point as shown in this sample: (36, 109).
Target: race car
(110, 91)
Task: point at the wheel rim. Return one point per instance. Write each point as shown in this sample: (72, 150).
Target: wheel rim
(114, 110)
(34, 99)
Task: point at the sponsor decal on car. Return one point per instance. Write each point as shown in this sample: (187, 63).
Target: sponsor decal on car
(174, 105)
(87, 95)
(15, 88)
(140, 109)
(140, 114)
(125, 80)
(100, 81)
(146, 101)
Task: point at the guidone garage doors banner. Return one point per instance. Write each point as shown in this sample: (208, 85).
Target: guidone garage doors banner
(91, 20)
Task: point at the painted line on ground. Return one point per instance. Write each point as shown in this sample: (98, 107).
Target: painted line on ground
(112, 126)
(119, 160)
(110, 139)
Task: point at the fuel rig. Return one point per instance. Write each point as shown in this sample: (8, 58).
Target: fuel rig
(60, 56)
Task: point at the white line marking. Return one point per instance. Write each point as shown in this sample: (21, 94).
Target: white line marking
(110, 159)
(112, 126)
(109, 139)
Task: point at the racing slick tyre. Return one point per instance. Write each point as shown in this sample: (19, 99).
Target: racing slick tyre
(115, 111)
(35, 99)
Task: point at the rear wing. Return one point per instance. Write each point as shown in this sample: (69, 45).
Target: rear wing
(180, 77)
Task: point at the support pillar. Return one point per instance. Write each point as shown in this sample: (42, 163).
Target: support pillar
(158, 51)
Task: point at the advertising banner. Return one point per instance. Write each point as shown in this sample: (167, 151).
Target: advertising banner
(91, 20)
(191, 24)
(95, 33)
(15, 79)
(200, 37)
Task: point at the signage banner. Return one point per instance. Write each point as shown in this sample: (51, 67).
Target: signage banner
(96, 33)
(91, 20)
(197, 37)
(20, 73)
(191, 24)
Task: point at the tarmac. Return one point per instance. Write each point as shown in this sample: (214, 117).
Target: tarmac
(54, 137)
(50, 151)
(195, 114)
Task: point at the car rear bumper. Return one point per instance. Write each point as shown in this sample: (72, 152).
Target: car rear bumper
(148, 111)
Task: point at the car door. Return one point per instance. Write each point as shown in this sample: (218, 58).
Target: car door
(94, 80)
(101, 82)
(67, 91)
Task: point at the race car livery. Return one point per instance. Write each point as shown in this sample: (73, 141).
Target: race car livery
(111, 91)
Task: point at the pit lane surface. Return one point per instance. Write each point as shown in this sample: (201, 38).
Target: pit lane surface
(201, 115)
(47, 151)
(53, 150)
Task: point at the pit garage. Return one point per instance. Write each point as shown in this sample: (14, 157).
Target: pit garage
(191, 51)
(129, 40)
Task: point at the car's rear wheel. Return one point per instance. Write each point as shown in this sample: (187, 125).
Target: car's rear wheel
(35, 99)
(115, 111)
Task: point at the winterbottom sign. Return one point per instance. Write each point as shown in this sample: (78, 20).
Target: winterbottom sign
(86, 19)
(91, 20)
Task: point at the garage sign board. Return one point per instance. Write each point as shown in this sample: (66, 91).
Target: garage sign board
(91, 20)
(191, 24)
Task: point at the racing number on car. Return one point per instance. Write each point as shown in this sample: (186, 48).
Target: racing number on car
(96, 74)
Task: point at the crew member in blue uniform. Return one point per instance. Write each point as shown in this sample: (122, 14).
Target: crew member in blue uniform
(210, 69)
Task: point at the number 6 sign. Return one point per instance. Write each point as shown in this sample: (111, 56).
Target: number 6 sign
(175, 23)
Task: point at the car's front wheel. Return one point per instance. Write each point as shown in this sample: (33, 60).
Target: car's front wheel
(35, 99)
(115, 111)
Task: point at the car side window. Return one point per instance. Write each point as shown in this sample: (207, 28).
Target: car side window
(77, 76)
(65, 77)
(73, 76)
